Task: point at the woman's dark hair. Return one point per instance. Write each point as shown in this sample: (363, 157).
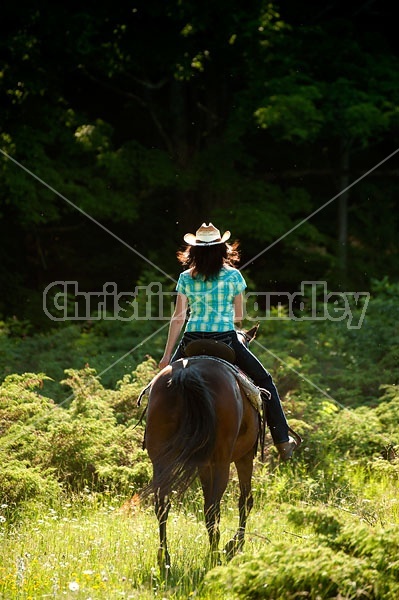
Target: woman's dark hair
(206, 261)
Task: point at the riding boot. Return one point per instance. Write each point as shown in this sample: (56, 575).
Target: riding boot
(286, 448)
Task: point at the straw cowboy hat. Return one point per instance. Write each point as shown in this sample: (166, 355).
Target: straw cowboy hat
(206, 235)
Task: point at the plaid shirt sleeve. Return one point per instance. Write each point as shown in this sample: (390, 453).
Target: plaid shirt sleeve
(181, 284)
(240, 283)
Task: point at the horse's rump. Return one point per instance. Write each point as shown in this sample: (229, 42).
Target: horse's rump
(182, 419)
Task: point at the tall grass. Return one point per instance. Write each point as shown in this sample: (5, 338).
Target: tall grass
(96, 549)
(101, 547)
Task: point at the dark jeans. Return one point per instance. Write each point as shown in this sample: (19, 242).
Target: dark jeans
(254, 369)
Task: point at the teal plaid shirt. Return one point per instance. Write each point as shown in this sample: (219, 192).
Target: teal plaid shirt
(211, 302)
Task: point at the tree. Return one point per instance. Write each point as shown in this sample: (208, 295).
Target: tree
(344, 98)
(153, 118)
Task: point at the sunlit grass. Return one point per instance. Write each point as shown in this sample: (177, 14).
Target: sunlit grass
(81, 551)
(94, 548)
(100, 553)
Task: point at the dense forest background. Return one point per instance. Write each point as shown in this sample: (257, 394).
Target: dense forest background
(151, 117)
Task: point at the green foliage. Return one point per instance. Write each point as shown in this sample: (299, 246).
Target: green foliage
(19, 401)
(337, 384)
(357, 433)
(324, 525)
(98, 344)
(21, 482)
(258, 213)
(294, 116)
(348, 364)
(231, 115)
(336, 561)
(56, 449)
(388, 409)
(130, 387)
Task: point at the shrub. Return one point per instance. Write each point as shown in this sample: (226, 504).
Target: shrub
(129, 388)
(351, 561)
(20, 482)
(307, 570)
(19, 400)
(73, 448)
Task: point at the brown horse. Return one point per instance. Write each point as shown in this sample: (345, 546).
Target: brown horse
(198, 423)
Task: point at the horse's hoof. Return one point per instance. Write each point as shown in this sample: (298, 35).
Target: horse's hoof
(233, 547)
(214, 559)
(163, 562)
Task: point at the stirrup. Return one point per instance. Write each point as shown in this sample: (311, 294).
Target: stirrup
(296, 437)
(286, 449)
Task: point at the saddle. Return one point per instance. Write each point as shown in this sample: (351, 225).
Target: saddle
(210, 348)
(223, 353)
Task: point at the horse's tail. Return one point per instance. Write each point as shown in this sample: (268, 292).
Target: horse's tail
(194, 441)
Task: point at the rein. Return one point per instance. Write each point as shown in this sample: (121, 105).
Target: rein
(143, 392)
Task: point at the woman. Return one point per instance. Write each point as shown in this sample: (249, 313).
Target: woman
(212, 289)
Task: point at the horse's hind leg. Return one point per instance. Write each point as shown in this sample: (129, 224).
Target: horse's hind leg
(162, 506)
(244, 470)
(214, 482)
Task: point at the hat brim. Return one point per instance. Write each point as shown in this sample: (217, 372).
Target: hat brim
(191, 240)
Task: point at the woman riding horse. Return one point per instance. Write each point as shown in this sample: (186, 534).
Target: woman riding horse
(212, 289)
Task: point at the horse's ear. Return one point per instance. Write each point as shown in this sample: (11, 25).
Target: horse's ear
(251, 333)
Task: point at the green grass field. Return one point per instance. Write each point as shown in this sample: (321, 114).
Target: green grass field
(101, 547)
